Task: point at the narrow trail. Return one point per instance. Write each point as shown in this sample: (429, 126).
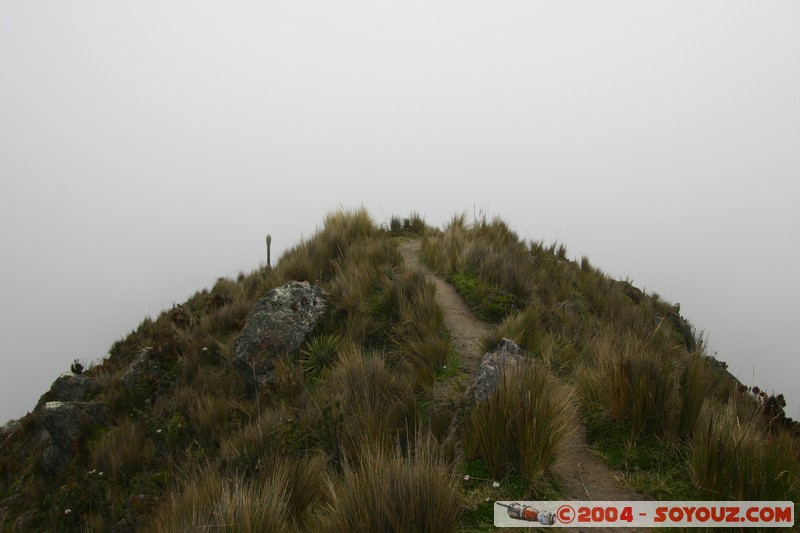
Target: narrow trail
(582, 475)
(465, 329)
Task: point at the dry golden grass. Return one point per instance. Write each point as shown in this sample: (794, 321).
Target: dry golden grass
(122, 450)
(391, 490)
(738, 458)
(375, 403)
(637, 384)
(213, 501)
(520, 427)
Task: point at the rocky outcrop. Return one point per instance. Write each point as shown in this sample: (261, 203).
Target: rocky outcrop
(65, 424)
(68, 387)
(492, 364)
(137, 368)
(278, 324)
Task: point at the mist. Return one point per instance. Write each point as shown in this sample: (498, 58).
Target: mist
(147, 148)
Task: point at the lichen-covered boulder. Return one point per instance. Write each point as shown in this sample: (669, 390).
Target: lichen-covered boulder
(278, 324)
(492, 364)
(65, 424)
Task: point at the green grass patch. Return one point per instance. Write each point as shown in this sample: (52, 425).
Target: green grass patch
(650, 464)
(481, 491)
(489, 302)
(452, 368)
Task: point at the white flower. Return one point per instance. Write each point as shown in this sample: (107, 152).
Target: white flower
(445, 366)
(495, 484)
(158, 431)
(205, 349)
(100, 474)
(466, 478)
(67, 511)
(487, 499)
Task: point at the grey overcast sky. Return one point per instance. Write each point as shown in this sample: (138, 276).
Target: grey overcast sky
(147, 147)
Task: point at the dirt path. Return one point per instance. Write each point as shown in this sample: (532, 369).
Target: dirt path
(465, 329)
(582, 475)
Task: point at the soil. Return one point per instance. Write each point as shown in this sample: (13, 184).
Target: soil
(582, 475)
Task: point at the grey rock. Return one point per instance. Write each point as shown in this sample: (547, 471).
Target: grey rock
(68, 387)
(492, 364)
(65, 423)
(53, 456)
(278, 324)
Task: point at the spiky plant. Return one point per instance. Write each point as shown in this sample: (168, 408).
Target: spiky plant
(320, 353)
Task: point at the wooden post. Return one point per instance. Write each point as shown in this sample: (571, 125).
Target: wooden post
(269, 242)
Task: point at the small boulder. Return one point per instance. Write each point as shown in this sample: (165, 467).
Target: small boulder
(278, 324)
(492, 364)
(65, 423)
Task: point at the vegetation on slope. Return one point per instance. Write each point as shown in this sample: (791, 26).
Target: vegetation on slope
(655, 403)
(352, 434)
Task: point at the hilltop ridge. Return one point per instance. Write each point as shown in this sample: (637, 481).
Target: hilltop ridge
(181, 427)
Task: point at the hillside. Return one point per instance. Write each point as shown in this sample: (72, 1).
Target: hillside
(359, 399)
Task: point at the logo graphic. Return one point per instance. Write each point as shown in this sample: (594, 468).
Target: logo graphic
(527, 513)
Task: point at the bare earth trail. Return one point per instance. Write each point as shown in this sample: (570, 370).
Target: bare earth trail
(582, 475)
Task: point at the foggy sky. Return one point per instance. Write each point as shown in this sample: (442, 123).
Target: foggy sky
(147, 147)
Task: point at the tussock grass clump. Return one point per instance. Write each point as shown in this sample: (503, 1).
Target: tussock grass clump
(315, 259)
(524, 328)
(636, 384)
(283, 498)
(362, 290)
(414, 224)
(122, 450)
(518, 430)
(655, 388)
(394, 491)
(488, 250)
(698, 382)
(373, 402)
(276, 430)
(419, 346)
(227, 320)
(737, 458)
